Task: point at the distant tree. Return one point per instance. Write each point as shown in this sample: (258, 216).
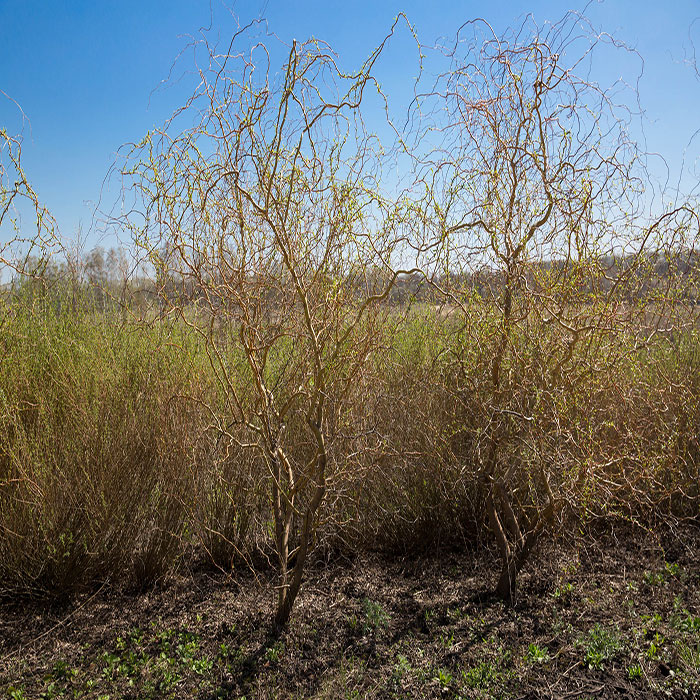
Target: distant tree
(95, 268)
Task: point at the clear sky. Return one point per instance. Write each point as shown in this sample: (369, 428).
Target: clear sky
(84, 72)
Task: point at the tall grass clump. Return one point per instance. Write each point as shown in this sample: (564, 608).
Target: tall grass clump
(97, 449)
(412, 494)
(117, 460)
(643, 460)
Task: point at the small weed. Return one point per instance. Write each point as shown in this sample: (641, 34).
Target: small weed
(654, 621)
(63, 672)
(562, 628)
(50, 693)
(688, 657)
(482, 676)
(447, 640)
(376, 618)
(274, 653)
(659, 578)
(672, 570)
(444, 677)
(456, 614)
(655, 647)
(684, 622)
(634, 672)
(564, 591)
(537, 655)
(600, 645)
(201, 666)
(402, 668)
(111, 662)
(654, 578)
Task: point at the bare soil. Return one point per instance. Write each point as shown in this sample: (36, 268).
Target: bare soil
(616, 618)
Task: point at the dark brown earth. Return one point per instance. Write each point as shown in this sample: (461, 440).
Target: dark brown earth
(616, 618)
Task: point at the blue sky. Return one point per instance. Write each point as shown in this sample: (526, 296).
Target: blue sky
(84, 73)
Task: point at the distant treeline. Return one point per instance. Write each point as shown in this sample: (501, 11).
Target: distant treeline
(109, 279)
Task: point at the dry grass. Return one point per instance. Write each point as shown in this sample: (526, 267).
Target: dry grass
(111, 467)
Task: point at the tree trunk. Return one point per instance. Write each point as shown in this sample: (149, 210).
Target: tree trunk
(513, 562)
(289, 592)
(506, 588)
